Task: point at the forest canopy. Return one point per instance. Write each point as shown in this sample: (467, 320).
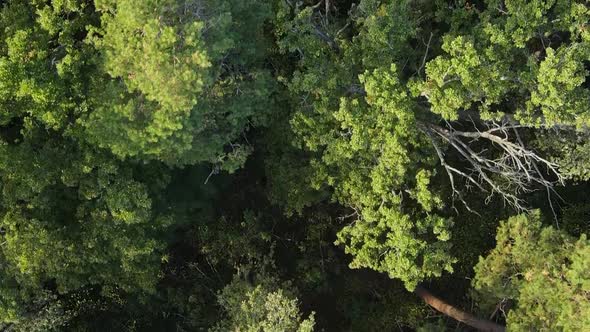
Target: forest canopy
(285, 165)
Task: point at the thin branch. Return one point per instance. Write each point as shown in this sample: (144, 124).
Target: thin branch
(215, 170)
(425, 54)
(450, 170)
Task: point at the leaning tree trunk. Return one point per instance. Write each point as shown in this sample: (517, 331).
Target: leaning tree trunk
(457, 314)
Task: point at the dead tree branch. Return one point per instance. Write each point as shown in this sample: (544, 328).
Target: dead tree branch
(509, 170)
(425, 54)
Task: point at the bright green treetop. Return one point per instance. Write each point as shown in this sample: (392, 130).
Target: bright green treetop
(258, 309)
(544, 270)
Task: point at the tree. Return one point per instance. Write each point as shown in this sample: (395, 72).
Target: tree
(71, 216)
(97, 97)
(404, 117)
(71, 219)
(182, 80)
(387, 136)
(366, 153)
(542, 270)
(257, 308)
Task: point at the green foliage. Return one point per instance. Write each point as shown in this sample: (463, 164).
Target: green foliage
(517, 51)
(367, 148)
(41, 68)
(288, 169)
(544, 270)
(175, 60)
(251, 309)
(179, 87)
(77, 219)
(245, 244)
(367, 95)
(465, 77)
(52, 313)
(576, 219)
(152, 151)
(87, 85)
(571, 151)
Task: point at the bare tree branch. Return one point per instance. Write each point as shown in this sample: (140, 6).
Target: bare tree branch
(425, 54)
(450, 170)
(510, 170)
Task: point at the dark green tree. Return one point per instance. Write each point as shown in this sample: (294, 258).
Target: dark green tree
(184, 80)
(96, 97)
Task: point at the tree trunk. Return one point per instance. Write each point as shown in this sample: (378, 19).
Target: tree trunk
(457, 314)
